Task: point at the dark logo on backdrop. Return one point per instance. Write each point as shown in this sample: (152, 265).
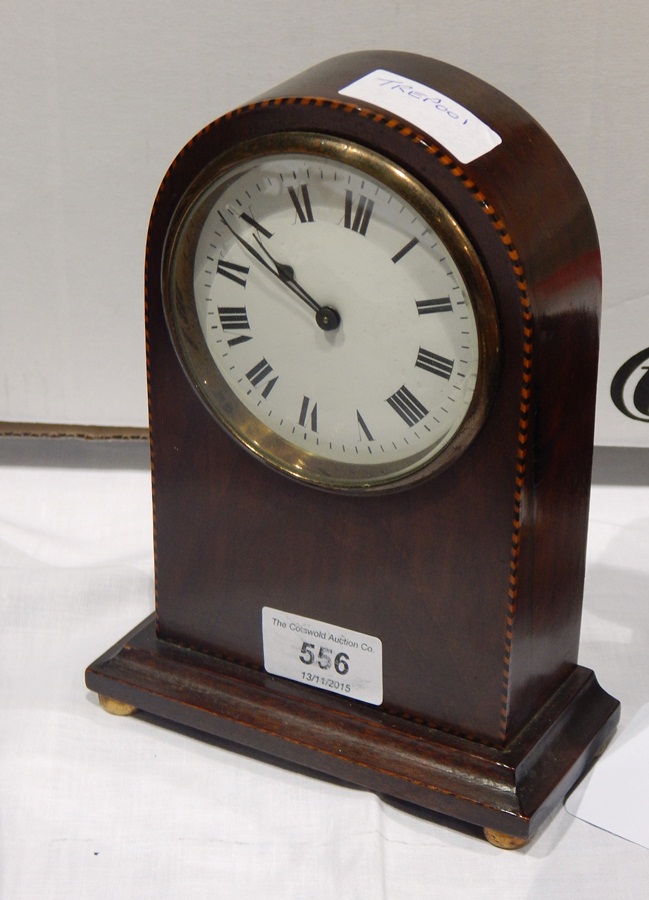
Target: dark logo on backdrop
(630, 387)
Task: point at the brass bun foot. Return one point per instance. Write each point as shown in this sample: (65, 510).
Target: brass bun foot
(504, 841)
(116, 707)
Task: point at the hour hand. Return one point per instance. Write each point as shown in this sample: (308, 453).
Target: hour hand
(326, 317)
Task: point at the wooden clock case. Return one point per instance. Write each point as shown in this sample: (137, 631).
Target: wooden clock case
(472, 580)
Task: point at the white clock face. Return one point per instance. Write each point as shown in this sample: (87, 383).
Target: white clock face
(341, 337)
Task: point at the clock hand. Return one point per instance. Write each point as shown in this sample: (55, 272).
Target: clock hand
(286, 275)
(248, 246)
(326, 317)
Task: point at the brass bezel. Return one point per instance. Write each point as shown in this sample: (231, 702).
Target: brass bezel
(200, 367)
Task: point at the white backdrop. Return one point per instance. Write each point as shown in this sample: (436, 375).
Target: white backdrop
(97, 97)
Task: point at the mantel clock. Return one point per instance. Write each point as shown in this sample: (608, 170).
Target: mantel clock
(372, 304)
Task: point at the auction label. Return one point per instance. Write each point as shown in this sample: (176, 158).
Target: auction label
(323, 656)
(462, 133)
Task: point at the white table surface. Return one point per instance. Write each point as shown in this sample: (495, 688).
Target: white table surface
(94, 806)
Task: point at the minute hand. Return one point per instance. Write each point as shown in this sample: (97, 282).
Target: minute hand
(284, 273)
(248, 246)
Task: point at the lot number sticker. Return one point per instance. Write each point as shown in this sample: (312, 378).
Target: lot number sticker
(323, 656)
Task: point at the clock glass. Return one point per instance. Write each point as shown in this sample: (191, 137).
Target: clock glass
(330, 312)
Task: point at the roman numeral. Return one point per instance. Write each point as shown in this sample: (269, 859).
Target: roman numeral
(305, 213)
(439, 304)
(309, 413)
(235, 318)
(407, 406)
(363, 212)
(362, 428)
(255, 224)
(431, 362)
(259, 373)
(408, 247)
(230, 269)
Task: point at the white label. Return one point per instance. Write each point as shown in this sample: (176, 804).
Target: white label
(323, 656)
(457, 129)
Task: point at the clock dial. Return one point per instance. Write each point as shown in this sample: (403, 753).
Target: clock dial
(330, 313)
